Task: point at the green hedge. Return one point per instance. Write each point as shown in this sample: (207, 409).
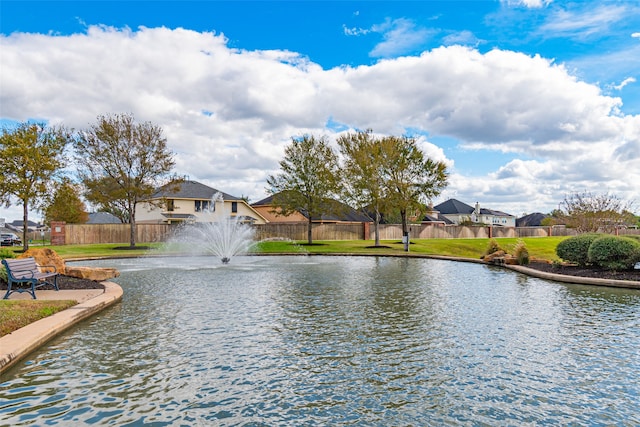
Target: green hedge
(576, 249)
(614, 252)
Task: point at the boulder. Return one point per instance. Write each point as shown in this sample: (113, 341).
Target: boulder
(492, 256)
(92, 273)
(510, 260)
(44, 257)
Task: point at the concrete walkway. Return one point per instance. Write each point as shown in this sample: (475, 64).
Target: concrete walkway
(20, 343)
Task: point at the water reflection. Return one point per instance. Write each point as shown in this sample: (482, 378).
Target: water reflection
(338, 341)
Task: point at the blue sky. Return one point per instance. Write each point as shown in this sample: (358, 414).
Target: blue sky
(527, 101)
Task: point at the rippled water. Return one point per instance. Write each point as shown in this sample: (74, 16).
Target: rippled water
(283, 341)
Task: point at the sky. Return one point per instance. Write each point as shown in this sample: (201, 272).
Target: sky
(527, 101)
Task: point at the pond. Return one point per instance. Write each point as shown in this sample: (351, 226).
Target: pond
(309, 340)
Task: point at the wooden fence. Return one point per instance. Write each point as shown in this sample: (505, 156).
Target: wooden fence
(78, 234)
(84, 234)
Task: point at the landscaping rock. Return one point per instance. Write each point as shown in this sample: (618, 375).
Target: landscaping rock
(92, 273)
(491, 258)
(45, 256)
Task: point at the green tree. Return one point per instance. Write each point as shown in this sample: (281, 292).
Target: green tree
(65, 205)
(411, 178)
(362, 173)
(308, 179)
(121, 162)
(31, 157)
(98, 193)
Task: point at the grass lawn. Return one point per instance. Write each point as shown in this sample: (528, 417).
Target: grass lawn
(539, 247)
(14, 314)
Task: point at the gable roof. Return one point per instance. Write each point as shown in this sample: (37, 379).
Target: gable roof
(531, 220)
(484, 211)
(437, 218)
(103, 218)
(191, 190)
(453, 206)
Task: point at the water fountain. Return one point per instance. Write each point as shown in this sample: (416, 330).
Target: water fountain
(218, 234)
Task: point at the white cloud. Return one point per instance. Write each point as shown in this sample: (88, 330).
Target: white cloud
(584, 22)
(400, 36)
(635, 35)
(625, 82)
(465, 37)
(229, 113)
(534, 4)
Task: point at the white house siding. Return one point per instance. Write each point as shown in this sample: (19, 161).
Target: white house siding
(146, 213)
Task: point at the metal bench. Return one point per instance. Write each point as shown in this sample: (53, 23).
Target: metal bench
(25, 270)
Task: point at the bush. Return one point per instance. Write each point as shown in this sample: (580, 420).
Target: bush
(576, 249)
(614, 252)
(5, 253)
(492, 247)
(521, 252)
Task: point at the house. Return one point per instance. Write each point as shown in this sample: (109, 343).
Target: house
(459, 212)
(340, 213)
(191, 201)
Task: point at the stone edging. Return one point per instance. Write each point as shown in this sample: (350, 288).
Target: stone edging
(18, 344)
(630, 284)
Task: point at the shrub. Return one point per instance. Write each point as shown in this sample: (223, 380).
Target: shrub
(521, 252)
(614, 252)
(576, 249)
(5, 253)
(492, 247)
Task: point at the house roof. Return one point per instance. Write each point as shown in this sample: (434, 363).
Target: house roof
(103, 218)
(437, 218)
(191, 190)
(531, 220)
(266, 201)
(484, 211)
(453, 206)
(19, 223)
(456, 207)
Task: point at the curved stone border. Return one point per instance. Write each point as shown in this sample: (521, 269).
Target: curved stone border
(574, 279)
(18, 344)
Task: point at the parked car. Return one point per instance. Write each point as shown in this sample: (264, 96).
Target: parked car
(9, 239)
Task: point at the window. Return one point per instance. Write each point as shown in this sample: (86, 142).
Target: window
(234, 207)
(202, 205)
(170, 205)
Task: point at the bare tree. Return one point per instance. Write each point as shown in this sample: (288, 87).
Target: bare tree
(592, 212)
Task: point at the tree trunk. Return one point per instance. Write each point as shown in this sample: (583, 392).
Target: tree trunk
(405, 230)
(376, 228)
(25, 226)
(132, 222)
(309, 230)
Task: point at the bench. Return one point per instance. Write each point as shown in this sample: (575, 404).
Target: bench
(25, 270)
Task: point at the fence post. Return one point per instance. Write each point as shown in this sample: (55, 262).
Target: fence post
(58, 237)
(365, 230)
